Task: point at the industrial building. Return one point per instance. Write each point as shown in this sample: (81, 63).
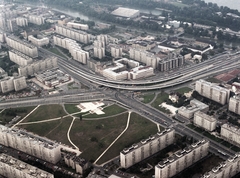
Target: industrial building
(116, 51)
(216, 93)
(145, 57)
(77, 35)
(181, 159)
(22, 46)
(234, 105)
(31, 144)
(78, 26)
(75, 50)
(21, 21)
(226, 169)
(12, 167)
(126, 12)
(38, 20)
(204, 121)
(38, 41)
(38, 66)
(230, 133)
(19, 58)
(147, 147)
(8, 84)
(195, 106)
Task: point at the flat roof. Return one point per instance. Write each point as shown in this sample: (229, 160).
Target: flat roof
(124, 12)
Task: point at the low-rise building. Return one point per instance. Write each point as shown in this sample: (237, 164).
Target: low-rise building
(195, 106)
(205, 121)
(181, 159)
(38, 41)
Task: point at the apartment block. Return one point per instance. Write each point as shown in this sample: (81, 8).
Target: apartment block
(21, 21)
(74, 34)
(6, 84)
(226, 169)
(75, 50)
(116, 51)
(19, 58)
(78, 26)
(19, 83)
(194, 106)
(234, 105)
(204, 121)
(31, 144)
(22, 46)
(38, 20)
(103, 38)
(181, 159)
(38, 41)
(12, 167)
(145, 148)
(169, 64)
(230, 133)
(38, 66)
(213, 92)
(99, 52)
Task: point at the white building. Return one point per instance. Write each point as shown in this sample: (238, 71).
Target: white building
(38, 41)
(6, 84)
(230, 133)
(126, 12)
(103, 38)
(21, 21)
(181, 160)
(38, 20)
(29, 143)
(213, 92)
(195, 106)
(116, 51)
(19, 58)
(99, 52)
(78, 26)
(75, 50)
(205, 121)
(22, 46)
(12, 167)
(226, 169)
(141, 72)
(234, 105)
(19, 83)
(38, 66)
(145, 148)
(74, 34)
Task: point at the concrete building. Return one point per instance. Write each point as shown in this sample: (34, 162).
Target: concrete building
(99, 52)
(216, 93)
(12, 167)
(141, 72)
(75, 50)
(226, 169)
(2, 37)
(12, 25)
(78, 26)
(144, 45)
(116, 51)
(21, 21)
(181, 159)
(22, 46)
(170, 63)
(38, 66)
(38, 20)
(38, 41)
(195, 106)
(3, 24)
(31, 144)
(234, 105)
(126, 12)
(145, 148)
(19, 58)
(19, 83)
(103, 38)
(205, 121)
(77, 35)
(230, 133)
(6, 84)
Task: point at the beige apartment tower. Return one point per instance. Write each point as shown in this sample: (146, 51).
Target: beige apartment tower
(204, 121)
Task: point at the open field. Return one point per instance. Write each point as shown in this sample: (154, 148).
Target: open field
(183, 90)
(148, 97)
(45, 112)
(71, 108)
(55, 51)
(139, 128)
(162, 97)
(213, 80)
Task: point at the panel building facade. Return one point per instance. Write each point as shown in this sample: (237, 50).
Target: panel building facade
(8, 84)
(205, 121)
(38, 42)
(234, 105)
(19, 58)
(230, 133)
(38, 20)
(213, 92)
(14, 168)
(181, 159)
(147, 147)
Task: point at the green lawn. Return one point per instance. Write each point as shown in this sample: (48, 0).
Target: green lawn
(148, 97)
(162, 97)
(139, 128)
(93, 137)
(55, 51)
(71, 108)
(183, 90)
(45, 112)
(109, 111)
(213, 80)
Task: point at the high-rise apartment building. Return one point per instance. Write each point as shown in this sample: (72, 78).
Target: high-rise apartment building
(19, 58)
(21, 21)
(205, 121)
(38, 20)
(234, 105)
(230, 133)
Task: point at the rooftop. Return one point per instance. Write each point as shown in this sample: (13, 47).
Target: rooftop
(205, 116)
(125, 12)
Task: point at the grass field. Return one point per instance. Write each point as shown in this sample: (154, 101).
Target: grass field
(93, 137)
(162, 97)
(45, 112)
(139, 128)
(148, 97)
(183, 90)
(71, 108)
(109, 111)
(55, 51)
(213, 80)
